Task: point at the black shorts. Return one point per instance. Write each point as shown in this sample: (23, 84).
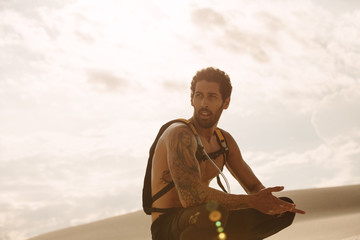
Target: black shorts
(204, 222)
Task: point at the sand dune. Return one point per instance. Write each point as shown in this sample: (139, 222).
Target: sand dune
(332, 214)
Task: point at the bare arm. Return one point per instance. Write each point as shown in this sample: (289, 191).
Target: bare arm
(261, 198)
(185, 172)
(240, 169)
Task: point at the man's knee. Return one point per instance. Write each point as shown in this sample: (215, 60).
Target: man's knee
(209, 216)
(213, 213)
(206, 220)
(217, 212)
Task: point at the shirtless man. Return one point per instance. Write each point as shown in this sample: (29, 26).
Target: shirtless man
(193, 210)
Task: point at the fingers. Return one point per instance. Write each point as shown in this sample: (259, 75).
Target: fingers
(276, 211)
(274, 189)
(295, 210)
(291, 208)
(273, 205)
(283, 210)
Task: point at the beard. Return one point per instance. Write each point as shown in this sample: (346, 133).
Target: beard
(209, 122)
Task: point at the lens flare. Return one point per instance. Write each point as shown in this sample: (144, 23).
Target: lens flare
(222, 236)
(212, 206)
(218, 224)
(220, 229)
(215, 216)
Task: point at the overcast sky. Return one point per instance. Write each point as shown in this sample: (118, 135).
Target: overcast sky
(85, 86)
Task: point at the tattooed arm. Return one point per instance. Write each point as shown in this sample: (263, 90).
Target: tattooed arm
(185, 171)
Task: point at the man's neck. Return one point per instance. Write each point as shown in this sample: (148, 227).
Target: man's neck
(207, 133)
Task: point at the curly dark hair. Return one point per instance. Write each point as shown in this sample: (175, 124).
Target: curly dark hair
(213, 75)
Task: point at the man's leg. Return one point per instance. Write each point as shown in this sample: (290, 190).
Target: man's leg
(250, 224)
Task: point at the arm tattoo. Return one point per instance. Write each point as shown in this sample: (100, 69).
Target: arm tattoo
(186, 174)
(166, 177)
(183, 165)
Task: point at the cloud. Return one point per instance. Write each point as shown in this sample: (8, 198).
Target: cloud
(172, 85)
(254, 35)
(106, 81)
(54, 185)
(88, 38)
(272, 23)
(255, 42)
(14, 48)
(270, 124)
(36, 4)
(207, 18)
(326, 165)
(335, 115)
(61, 212)
(247, 43)
(340, 7)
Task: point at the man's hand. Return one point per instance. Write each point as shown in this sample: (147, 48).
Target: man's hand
(267, 203)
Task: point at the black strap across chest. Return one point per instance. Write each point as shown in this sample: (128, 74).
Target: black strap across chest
(147, 197)
(213, 155)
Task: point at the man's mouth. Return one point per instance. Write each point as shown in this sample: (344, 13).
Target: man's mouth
(204, 113)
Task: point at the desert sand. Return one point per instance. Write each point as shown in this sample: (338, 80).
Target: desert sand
(332, 214)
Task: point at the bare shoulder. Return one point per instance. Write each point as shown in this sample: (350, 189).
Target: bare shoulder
(179, 132)
(176, 127)
(234, 150)
(229, 139)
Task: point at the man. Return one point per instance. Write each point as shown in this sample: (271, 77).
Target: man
(189, 208)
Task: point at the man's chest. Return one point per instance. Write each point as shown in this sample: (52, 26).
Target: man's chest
(208, 170)
(217, 155)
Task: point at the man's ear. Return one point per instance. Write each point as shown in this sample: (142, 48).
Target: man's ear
(191, 100)
(226, 103)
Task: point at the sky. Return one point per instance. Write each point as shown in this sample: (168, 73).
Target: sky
(86, 84)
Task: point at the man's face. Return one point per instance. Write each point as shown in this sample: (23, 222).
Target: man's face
(208, 104)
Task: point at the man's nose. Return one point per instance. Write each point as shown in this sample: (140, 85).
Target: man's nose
(204, 102)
